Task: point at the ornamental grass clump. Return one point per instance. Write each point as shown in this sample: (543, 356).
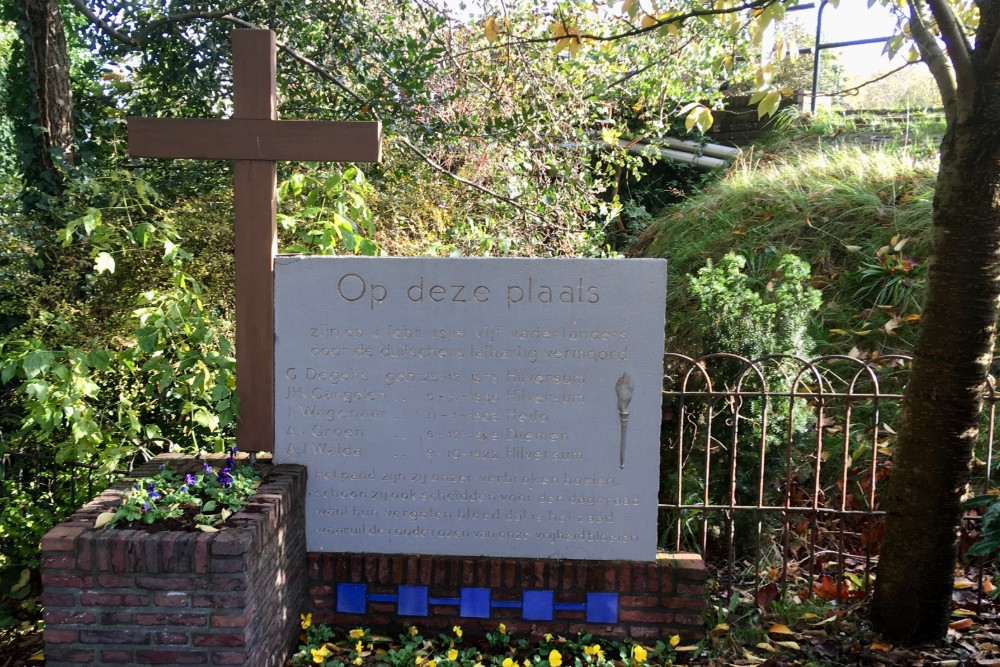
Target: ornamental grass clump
(202, 500)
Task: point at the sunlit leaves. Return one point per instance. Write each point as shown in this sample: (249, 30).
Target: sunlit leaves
(769, 104)
(104, 263)
(492, 34)
(697, 116)
(567, 37)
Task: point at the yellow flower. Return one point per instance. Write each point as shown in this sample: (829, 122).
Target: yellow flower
(594, 650)
(502, 629)
(458, 631)
(507, 662)
(307, 620)
(675, 640)
(639, 653)
(414, 631)
(548, 636)
(419, 659)
(478, 664)
(358, 647)
(359, 660)
(356, 633)
(431, 663)
(452, 655)
(555, 658)
(319, 655)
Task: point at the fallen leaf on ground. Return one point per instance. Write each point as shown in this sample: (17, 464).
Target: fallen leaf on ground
(961, 625)
(779, 629)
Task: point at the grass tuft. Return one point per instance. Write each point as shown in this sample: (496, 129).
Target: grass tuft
(851, 198)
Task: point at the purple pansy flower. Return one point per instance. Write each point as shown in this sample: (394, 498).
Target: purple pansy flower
(190, 480)
(224, 477)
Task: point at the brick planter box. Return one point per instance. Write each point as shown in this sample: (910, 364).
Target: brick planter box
(133, 597)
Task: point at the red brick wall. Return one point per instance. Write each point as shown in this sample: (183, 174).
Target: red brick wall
(234, 597)
(176, 598)
(654, 599)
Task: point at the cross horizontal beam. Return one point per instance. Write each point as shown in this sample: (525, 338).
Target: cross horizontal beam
(255, 139)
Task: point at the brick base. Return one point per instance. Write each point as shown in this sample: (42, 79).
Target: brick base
(611, 599)
(130, 597)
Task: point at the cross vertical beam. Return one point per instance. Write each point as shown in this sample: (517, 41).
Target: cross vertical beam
(256, 243)
(254, 139)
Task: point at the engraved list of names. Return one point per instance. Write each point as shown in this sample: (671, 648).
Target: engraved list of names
(505, 407)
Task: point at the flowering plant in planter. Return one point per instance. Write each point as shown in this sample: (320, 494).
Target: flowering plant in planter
(202, 500)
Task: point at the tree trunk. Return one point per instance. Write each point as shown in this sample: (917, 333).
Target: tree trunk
(48, 67)
(944, 397)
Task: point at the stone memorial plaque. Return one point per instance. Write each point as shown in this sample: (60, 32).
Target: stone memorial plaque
(473, 407)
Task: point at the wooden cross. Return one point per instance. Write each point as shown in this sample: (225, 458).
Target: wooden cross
(255, 140)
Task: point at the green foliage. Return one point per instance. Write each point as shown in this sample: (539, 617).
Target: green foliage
(335, 215)
(825, 191)
(753, 315)
(114, 348)
(738, 317)
(204, 500)
(989, 530)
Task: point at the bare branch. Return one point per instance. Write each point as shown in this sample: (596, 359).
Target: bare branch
(651, 64)
(143, 34)
(472, 184)
(311, 64)
(632, 32)
(937, 61)
(329, 76)
(656, 25)
(102, 25)
(959, 48)
(153, 26)
(989, 32)
(853, 90)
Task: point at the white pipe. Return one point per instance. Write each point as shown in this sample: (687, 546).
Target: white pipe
(715, 150)
(700, 161)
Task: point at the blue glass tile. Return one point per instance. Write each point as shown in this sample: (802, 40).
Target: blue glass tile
(538, 605)
(412, 601)
(381, 597)
(474, 603)
(602, 607)
(351, 598)
(506, 604)
(570, 606)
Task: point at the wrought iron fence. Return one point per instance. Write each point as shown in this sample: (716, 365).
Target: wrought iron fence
(47, 489)
(771, 467)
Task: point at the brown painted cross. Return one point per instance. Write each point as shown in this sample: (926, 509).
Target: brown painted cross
(255, 140)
